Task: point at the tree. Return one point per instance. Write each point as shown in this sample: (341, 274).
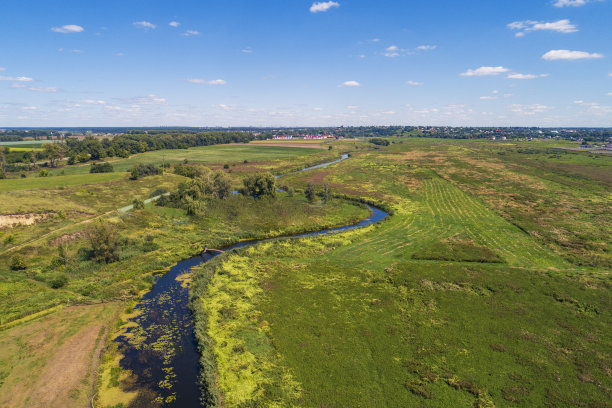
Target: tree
(222, 186)
(326, 194)
(54, 152)
(310, 192)
(105, 243)
(259, 185)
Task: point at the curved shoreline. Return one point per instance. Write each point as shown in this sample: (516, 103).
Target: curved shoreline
(165, 313)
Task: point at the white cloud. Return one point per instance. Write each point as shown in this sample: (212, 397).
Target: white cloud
(414, 83)
(189, 33)
(2, 69)
(93, 102)
(570, 3)
(484, 71)
(150, 99)
(609, 93)
(610, 74)
(323, 6)
(174, 24)
(488, 98)
(516, 75)
(144, 24)
(48, 89)
(352, 107)
(67, 29)
(569, 55)
(388, 113)
(205, 82)
(17, 86)
(529, 109)
(16, 79)
(583, 103)
(247, 50)
(350, 84)
(561, 26)
(392, 51)
(426, 47)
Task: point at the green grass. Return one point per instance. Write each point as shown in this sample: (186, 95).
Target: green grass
(206, 154)
(453, 301)
(34, 183)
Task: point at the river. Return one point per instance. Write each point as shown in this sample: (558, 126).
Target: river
(161, 349)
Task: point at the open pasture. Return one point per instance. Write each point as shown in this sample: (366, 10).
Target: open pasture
(461, 298)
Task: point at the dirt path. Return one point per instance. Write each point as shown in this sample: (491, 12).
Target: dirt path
(52, 361)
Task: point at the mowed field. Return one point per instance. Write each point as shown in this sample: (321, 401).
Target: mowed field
(234, 153)
(489, 286)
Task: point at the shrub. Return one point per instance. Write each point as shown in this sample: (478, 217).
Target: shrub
(143, 170)
(18, 263)
(159, 192)
(105, 243)
(226, 166)
(379, 142)
(43, 173)
(310, 192)
(189, 171)
(138, 204)
(326, 194)
(59, 281)
(101, 168)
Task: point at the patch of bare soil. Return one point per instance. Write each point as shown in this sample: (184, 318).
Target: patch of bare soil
(11, 220)
(61, 353)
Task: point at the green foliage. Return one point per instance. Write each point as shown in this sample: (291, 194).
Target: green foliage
(18, 263)
(138, 204)
(310, 192)
(105, 242)
(144, 170)
(43, 173)
(259, 185)
(58, 281)
(326, 194)
(101, 168)
(380, 142)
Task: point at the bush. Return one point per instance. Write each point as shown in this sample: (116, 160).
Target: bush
(43, 173)
(310, 193)
(379, 142)
(159, 192)
(18, 263)
(138, 204)
(226, 166)
(105, 243)
(59, 281)
(101, 168)
(189, 171)
(143, 170)
(259, 185)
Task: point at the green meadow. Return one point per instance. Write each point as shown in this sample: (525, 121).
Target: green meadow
(488, 286)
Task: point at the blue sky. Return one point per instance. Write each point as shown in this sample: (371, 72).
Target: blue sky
(305, 63)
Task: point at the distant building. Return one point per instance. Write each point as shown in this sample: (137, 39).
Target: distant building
(283, 137)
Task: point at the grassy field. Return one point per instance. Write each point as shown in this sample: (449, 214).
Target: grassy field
(221, 154)
(35, 183)
(464, 297)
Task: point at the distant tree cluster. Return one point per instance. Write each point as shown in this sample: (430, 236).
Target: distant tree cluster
(144, 170)
(379, 142)
(101, 168)
(204, 184)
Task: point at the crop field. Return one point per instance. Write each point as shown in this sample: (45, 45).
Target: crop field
(488, 286)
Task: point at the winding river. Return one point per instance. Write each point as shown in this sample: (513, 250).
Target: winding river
(160, 348)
